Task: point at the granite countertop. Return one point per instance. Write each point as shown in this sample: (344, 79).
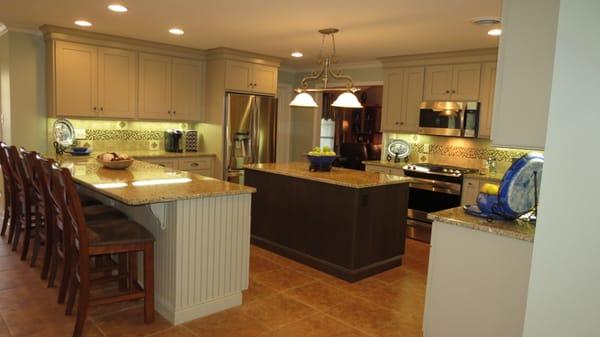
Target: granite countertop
(390, 164)
(145, 183)
(337, 176)
(518, 229)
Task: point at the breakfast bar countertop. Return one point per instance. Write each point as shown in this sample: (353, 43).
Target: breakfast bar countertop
(517, 229)
(337, 175)
(145, 183)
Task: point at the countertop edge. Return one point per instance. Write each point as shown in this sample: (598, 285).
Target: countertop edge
(328, 181)
(480, 227)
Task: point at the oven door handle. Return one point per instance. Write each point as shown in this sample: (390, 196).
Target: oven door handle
(435, 186)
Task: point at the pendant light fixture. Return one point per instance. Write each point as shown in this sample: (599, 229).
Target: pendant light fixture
(347, 99)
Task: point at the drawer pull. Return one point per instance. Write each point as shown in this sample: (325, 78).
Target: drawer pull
(194, 164)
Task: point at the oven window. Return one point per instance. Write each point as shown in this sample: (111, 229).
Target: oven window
(428, 201)
(434, 119)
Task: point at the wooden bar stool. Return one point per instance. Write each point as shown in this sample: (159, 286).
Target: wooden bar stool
(54, 235)
(8, 194)
(109, 237)
(20, 204)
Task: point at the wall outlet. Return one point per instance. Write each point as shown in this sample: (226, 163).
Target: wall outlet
(80, 134)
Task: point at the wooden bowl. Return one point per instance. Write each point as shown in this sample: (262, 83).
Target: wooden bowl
(116, 164)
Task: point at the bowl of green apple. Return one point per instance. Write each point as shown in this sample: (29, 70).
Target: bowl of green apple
(321, 159)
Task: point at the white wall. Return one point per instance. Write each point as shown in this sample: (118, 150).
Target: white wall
(4, 87)
(564, 289)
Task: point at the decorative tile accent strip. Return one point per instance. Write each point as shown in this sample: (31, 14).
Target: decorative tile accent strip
(99, 134)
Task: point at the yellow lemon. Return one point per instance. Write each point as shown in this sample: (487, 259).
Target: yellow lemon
(490, 189)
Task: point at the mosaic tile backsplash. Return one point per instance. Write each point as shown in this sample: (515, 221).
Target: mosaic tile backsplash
(115, 135)
(454, 151)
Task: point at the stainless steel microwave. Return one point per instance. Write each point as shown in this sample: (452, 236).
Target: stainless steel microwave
(455, 119)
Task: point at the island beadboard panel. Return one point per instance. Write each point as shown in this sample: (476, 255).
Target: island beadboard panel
(202, 253)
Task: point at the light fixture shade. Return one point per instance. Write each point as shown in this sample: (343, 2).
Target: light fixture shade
(304, 99)
(347, 100)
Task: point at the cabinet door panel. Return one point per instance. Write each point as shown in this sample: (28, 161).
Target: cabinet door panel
(188, 89)
(164, 162)
(465, 82)
(488, 86)
(76, 80)
(392, 100)
(264, 79)
(155, 86)
(238, 76)
(412, 96)
(117, 83)
(438, 83)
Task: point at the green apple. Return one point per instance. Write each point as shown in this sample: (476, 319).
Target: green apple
(326, 149)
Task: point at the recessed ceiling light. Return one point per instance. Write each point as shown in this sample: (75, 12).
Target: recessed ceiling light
(486, 20)
(176, 31)
(495, 32)
(83, 23)
(118, 8)
(297, 54)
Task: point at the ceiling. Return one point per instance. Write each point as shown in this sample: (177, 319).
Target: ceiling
(368, 29)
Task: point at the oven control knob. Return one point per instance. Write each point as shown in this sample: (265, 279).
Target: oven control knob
(445, 170)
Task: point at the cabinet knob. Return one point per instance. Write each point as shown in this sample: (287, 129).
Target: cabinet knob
(169, 112)
(447, 91)
(396, 123)
(94, 108)
(401, 123)
(174, 112)
(454, 91)
(250, 84)
(101, 108)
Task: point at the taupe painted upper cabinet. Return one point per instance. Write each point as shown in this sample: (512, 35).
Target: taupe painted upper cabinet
(250, 77)
(524, 78)
(187, 89)
(155, 86)
(458, 82)
(402, 95)
(117, 83)
(171, 88)
(76, 86)
(488, 84)
(95, 81)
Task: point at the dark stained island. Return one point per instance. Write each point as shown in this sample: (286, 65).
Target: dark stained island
(350, 224)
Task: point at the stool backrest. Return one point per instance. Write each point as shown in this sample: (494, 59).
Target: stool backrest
(7, 173)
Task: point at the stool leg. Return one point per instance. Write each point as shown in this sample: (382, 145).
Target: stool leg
(74, 286)
(149, 282)
(48, 248)
(6, 215)
(122, 258)
(26, 238)
(53, 267)
(17, 234)
(68, 274)
(82, 308)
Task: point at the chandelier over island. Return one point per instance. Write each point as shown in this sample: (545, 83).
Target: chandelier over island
(347, 99)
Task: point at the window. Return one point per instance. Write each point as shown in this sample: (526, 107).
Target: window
(327, 133)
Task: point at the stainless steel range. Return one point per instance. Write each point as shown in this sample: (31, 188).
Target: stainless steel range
(437, 187)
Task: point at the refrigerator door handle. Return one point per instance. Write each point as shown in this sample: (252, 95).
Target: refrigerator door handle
(254, 129)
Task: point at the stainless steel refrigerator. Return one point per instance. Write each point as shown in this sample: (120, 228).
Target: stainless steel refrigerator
(250, 133)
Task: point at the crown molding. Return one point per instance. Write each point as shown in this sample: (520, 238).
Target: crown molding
(241, 55)
(460, 56)
(18, 29)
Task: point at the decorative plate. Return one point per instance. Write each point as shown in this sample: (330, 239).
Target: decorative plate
(399, 148)
(64, 132)
(517, 194)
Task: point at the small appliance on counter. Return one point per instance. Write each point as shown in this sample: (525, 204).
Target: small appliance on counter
(174, 140)
(191, 141)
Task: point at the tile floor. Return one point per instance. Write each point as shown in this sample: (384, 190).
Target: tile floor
(285, 299)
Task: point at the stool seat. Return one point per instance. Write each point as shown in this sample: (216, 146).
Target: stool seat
(118, 232)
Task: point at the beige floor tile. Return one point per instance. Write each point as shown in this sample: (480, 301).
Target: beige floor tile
(130, 323)
(256, 291)
(319, 295)
(283, 279)
(316, 326)
(229, 323)
(3, 328)
(177, 331)
(259, 264)
(276, 311)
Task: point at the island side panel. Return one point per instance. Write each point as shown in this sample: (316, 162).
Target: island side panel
(348, 232)
(201, 253)
(381, 227)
